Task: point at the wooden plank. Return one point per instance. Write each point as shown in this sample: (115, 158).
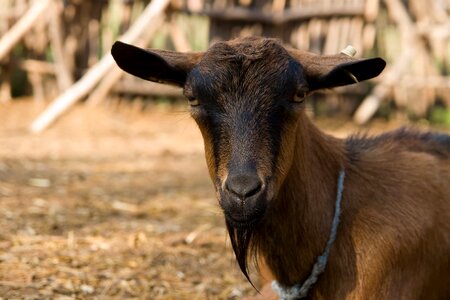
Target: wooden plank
(332, 38)
(371, 10)
(314, 31)
(278, 5)
(344, 33)
(356, 33)
(288, 15)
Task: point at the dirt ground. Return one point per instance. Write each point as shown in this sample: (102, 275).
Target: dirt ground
(112, 203)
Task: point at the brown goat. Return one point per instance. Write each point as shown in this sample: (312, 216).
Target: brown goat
(276, 174)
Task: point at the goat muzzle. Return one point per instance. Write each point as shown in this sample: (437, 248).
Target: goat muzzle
(243, 199)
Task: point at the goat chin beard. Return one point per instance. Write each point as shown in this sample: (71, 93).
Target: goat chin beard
(241, 241)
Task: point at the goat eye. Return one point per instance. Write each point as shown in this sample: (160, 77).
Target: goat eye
(193, 101)
(299, 97)
(301, 94)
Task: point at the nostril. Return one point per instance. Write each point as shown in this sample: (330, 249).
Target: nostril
(243, 186)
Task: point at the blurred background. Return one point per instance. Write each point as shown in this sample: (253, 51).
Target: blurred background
(104, 192)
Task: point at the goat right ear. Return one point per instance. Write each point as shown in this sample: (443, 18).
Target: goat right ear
(328, 71)
(161, 66)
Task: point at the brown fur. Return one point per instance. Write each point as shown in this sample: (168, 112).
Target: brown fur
(393, 241)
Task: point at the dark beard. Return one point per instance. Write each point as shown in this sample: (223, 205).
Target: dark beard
(243, 247)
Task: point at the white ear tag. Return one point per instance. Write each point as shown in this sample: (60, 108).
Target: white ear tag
(349, 51)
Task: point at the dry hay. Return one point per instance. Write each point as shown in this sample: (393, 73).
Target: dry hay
(112, 203)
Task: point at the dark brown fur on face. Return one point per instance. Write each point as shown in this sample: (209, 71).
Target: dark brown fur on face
(276, 174)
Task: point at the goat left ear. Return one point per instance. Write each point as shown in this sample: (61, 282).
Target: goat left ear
(161, 66)
(328, 71)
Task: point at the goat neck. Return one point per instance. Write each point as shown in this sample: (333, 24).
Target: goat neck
(296, 230)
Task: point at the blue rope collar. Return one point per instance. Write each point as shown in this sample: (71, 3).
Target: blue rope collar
(299, 290)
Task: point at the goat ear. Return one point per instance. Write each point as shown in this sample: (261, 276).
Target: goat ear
(162, 66)
(328, 71)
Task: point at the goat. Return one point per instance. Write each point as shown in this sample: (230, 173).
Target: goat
(278, 178)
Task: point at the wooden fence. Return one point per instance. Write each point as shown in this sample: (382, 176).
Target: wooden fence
(54, 45)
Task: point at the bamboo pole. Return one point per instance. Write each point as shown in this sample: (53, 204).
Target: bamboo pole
(10, 38)
(81, 88)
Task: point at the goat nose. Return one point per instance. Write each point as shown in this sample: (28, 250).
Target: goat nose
(243, 186)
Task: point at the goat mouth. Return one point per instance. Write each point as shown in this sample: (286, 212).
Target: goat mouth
(246, 213)
(244, 223)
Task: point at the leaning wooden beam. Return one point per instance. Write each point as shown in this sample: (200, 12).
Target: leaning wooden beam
(413, 47)
(10, 38)
(372, 102)
(82, 87)
(107, 83)
(181, 44)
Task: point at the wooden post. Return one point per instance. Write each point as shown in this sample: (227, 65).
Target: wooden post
(5, 85)
(62, 72)
(179, 39)
(81, 88)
